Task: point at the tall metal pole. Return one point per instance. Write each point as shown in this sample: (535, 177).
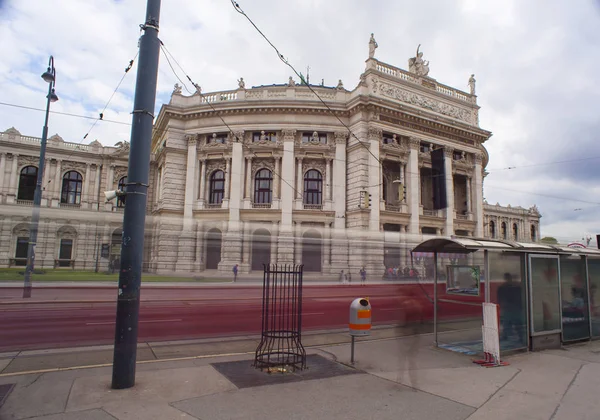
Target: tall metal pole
(132, 246)
(37, 195)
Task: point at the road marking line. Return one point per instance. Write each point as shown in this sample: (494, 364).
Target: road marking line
(314, 313)
(154, 320)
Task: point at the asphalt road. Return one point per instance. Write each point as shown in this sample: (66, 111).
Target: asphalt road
(71, 316)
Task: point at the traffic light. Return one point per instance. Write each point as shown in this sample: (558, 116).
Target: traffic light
(401, 190)
(365, 200)
(438, 175)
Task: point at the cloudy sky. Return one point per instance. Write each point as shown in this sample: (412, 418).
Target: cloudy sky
(536, 64)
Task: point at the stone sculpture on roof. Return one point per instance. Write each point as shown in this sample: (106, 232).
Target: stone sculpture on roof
(418, 65)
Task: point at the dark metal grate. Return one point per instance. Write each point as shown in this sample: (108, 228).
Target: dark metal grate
(242, 375)
(280, 346)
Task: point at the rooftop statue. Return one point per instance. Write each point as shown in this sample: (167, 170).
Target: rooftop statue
(372, 46)
(241, 83)
(177, 88)
(417, 65)
(472, 84)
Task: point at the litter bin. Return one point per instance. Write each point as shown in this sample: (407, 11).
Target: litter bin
(360, 317)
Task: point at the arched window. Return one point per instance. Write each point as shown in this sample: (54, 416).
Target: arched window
(515, 231)
(217, 187)
(493, 229)
(71, 188)
(121, 187)
(27, 182)
(533, 233)
(263, 182)
(504, 233)
(313, 187)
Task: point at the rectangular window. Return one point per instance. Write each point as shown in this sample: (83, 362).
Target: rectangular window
(314, 137)
(388, 138)
(264, 136)
(217, 138)
(65, 252)
(21, 251)
(424, 147)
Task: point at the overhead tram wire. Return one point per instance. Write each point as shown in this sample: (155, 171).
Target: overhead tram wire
(197, 87)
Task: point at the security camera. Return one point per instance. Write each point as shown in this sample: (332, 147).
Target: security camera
(111, 195)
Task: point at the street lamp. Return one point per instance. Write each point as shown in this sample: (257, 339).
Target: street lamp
(49, 77)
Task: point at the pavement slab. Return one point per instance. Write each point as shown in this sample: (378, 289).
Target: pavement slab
(581, 400)
(35, 395)
(146, 411)
(4, 363)
(165, 385)
(202, 349)
(542, 374)
(350, 397)
(77, 415)
(471, 386)
(506, 405)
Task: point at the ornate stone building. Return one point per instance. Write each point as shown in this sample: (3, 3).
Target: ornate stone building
(512, 223)
(267, 174)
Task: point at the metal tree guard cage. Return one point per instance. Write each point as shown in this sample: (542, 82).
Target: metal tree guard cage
(281, 333)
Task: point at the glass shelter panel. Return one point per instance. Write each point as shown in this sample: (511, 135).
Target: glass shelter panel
(594, 279)
(574, 296)
(545, 298)
(459, 301)
(508, 290)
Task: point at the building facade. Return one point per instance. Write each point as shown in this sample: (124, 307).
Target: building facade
(266, 174)
(512, 223)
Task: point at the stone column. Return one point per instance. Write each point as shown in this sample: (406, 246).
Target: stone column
(248, 194)
(227, 178)
(449, 223)
(338, 237)
(57, 183)
(277, 178)
(86, 185)
(468, 194)
(329, 182)
(285, 247)
(14, 175)
(477, 191)
(190, 182)
(231, 251)
(236, 181)
(299, 179)
(202, 196)
(2, 170)
(413, 185)
(98, 186)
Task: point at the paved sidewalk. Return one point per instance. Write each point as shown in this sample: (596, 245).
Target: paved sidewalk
(397, 378)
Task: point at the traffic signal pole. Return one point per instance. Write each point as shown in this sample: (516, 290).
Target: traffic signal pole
(132, 246)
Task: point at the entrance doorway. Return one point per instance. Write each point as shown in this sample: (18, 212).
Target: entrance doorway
(261, 249)
(213, 249)
(312, 247)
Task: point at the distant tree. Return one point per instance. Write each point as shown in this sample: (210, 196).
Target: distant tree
(549, 240)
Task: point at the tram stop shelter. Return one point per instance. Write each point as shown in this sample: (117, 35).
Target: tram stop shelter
(547, 295)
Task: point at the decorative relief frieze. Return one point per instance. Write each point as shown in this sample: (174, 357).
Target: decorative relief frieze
(385, 89)
(258, 164)
(120, 172)
(318, 164)
(213, 165)
(28, 160)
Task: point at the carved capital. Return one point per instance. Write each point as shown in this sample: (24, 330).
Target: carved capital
(448, 152)
(288, 135)
(414, 142)
(341, 137)
(235, 137)
(375, 134)
(192, 140)
(478, 158)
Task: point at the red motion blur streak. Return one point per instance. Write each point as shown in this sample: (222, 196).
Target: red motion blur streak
(188, 313)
